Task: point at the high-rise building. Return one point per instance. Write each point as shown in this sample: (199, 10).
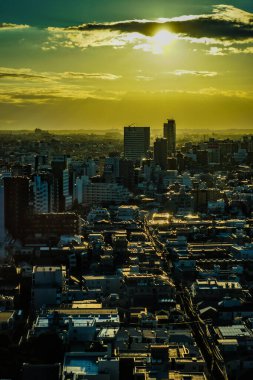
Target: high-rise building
(16, 204)
(43, 193)
(126, 174)
(60, 170)
(161, 153)
(136, 142)
(169, 132)
(2, 224)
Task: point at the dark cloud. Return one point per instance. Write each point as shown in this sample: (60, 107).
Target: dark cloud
(226, 22)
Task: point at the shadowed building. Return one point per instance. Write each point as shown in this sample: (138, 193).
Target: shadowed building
(16, 203)
(136, 142)
(169, 132)
(161, 153)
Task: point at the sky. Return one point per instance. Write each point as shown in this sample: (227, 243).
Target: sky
(103, 64)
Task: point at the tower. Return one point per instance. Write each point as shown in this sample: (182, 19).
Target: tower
(16, 204)
(169, 132)
(161, 153)
(2, 229)
(60, 170)
(136, 142)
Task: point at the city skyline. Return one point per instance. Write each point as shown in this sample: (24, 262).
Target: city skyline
(103, 65)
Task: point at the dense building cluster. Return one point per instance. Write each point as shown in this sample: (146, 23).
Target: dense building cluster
(130, 261)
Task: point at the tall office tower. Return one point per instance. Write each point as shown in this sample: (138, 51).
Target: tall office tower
(16, 203)
(2, 224)
(136, 142)
(62, 196)
(126, 174)
(161, 153)
(169, 132)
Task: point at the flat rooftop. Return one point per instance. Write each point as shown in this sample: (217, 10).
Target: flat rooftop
(81, 363)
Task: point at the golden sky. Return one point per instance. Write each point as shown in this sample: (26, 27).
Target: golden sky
(106, 64)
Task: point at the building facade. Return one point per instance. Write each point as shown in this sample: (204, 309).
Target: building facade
(169, 132)
(136, 142)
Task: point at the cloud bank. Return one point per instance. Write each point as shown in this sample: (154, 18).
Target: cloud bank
(226, 25)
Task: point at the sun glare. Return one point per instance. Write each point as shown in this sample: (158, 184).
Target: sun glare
(161, 40)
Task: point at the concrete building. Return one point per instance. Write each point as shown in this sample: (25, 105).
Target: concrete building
(90, 366)
(52, 225)
(97, 193)
(62, 195)
(161, 152)
(2, 224)
(42, 194)
(107, 284)
(48, 285)
(16, 202)
(136, 142)
(169, 132)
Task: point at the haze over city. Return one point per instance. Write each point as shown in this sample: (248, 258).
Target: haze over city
(105, 64)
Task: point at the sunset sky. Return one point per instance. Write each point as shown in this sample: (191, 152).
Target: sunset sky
(94, 64)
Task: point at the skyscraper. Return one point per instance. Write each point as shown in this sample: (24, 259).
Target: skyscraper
(60, 170)
(161, 153)
(169, 132)
(136, 142)
(16, 203)
(2, 227)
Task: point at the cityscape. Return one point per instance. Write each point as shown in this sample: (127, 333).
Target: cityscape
(126, 190)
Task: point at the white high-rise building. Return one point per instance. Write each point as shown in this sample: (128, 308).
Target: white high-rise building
(42, 196)
(79, 188)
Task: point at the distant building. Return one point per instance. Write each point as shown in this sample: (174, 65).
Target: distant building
(97, 193)
(16, 203)
(62, 196)
(2, 224)
(161, 152)
(42, 193)
(127, 174)
(169, 132)
(111, 167)
(136, 142)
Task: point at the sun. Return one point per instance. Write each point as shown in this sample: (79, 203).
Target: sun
(161, 40)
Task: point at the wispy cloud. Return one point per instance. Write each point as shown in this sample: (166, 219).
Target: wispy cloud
(238, 49)
(22, 74)
(30, 75)
(53, 93)
(215, 92)
(10, 26)
(102, 76)
(31, 86)
(144, 78)
(194, 73)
